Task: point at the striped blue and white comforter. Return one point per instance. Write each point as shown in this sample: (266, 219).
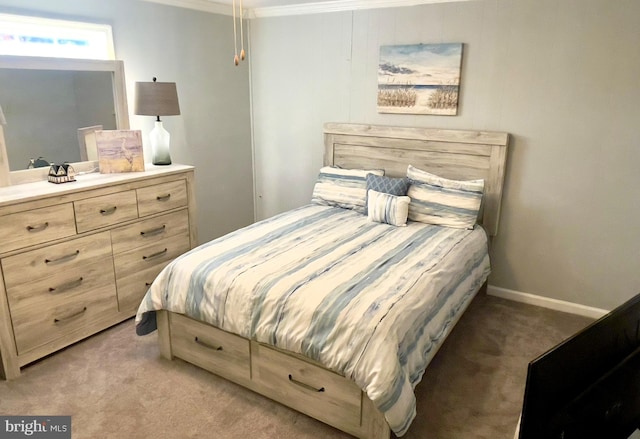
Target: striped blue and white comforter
(367, 300)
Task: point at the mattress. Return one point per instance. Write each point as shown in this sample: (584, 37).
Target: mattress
(370, 301)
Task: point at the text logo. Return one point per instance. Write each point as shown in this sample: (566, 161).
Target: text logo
(38, 427)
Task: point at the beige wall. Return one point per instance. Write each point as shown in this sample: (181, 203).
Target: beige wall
(562, 76)
(195, 50)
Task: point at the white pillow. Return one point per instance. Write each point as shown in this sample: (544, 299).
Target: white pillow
(346, 188)
(387, 208)
(444, 202)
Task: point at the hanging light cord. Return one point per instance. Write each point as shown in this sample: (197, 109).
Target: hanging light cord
(235, 37)
(242, 54)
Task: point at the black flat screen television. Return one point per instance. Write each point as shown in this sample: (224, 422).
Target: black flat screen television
(589, 385)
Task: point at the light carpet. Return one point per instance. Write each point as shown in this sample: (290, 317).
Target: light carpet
(116, 385)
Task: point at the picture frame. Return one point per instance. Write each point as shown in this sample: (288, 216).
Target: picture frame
(87, 143)
(420, 79)
(119, 151)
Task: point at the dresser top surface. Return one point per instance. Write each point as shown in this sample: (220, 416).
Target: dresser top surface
(32, 191)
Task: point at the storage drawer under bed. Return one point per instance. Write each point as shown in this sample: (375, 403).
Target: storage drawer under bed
(212, 349)
(310, 389)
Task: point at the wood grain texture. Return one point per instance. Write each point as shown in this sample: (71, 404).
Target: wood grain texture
(373, 422)
(9, 367)
(35, 226)
(44, 319)
(453, 154)
(310, 389)
(63, 288)
(137, 268)
(49, 261)
(4, 161)
(107, 210)
(164, 334)
(218, 351)
(162, 197)
(150, 231)
(191, 202)
(342, 404)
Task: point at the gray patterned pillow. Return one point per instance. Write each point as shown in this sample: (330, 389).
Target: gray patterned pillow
(386, 185)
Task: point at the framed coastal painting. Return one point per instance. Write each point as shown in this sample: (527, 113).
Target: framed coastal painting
(419, 78)
(119, 151)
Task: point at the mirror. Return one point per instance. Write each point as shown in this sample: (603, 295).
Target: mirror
(51, 107)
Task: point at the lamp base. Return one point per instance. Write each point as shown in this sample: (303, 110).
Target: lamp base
(159, 139)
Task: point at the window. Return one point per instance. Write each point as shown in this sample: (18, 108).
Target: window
(35, 36)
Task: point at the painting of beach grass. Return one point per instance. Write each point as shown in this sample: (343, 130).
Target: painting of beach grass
(119, 151)
(419, 78)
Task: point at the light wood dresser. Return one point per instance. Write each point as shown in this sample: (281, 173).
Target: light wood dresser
(78, 257)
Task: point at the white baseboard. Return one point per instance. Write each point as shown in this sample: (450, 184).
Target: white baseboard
(546, 302)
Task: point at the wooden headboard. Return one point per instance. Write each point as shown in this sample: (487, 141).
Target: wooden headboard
(454, 154)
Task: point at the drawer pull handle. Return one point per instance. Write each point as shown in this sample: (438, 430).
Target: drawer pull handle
(62, 258)
(67, 318)
(66, 286)
(163, 197)
(39, 228)
(155, 255)
(108, 210)
(305, 385)
(153, 232)
(207, 345)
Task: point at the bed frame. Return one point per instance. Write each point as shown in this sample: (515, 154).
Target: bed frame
(299, 382)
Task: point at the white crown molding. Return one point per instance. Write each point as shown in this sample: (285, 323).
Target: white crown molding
(298, 9)
(338, 6)
(198, 5)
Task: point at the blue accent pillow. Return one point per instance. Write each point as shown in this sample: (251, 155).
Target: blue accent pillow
(386, 185)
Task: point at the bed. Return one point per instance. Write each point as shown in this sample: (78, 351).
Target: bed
(325, 311)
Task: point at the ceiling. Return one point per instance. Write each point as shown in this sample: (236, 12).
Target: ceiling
(270, 8)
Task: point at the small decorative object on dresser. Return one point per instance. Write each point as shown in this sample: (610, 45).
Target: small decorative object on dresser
(119, 151)
(63, 173)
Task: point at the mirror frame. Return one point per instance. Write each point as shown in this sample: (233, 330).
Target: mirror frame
(116, 67)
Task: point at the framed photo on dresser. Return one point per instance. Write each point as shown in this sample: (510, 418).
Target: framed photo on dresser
(119, 151)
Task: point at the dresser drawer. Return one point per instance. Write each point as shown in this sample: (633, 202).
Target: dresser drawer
(131, 289)
(150, 231)
(49, 261)
(217, 351)
(306, 387)
(162, 197)
(35, 326)
(60, 288)
(141, 258)
(93, 213)
(36, 226)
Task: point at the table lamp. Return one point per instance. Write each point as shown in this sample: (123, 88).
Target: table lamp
(157, 99)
